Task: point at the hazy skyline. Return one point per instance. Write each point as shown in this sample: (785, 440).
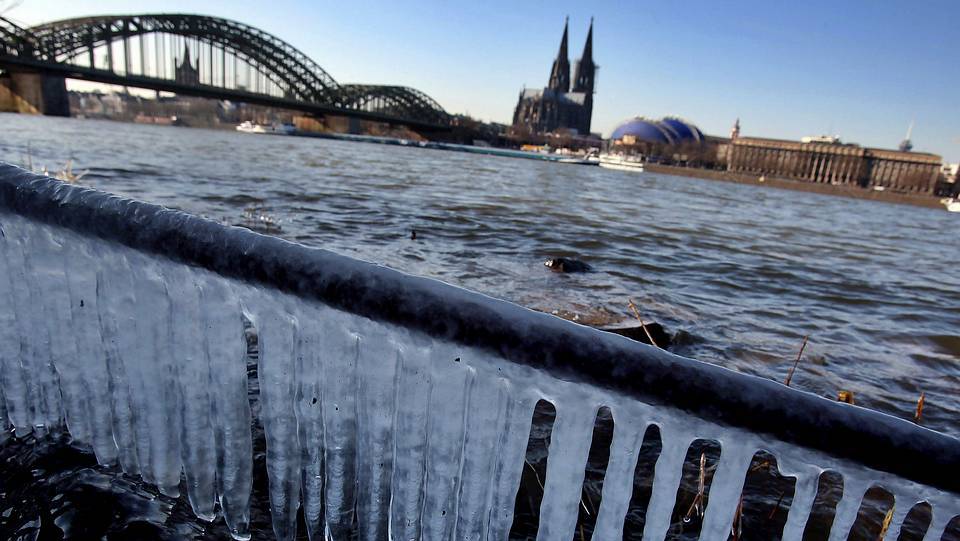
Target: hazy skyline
(859, 69)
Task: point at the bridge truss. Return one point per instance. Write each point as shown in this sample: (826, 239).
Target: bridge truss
(205, 56)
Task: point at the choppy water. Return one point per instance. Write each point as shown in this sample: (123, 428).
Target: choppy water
(746, 271)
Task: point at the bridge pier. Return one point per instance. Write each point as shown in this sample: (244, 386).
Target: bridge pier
(33, 93)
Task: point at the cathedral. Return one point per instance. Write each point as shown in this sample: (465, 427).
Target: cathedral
(561, 106)
(185, 73)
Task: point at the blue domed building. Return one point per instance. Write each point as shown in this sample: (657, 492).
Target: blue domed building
(685, 131)
(667, 131)
(670, 140)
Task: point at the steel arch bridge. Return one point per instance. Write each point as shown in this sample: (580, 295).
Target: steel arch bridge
(205, 56)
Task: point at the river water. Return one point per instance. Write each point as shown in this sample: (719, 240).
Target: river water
(744, 272)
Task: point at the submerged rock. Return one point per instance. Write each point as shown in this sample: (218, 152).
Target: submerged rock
(601, 318)
(565, 264)
(634, 331)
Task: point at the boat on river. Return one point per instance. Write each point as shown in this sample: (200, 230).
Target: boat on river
(275, 128)
(952, 204)
(621, 162)
(577, 160)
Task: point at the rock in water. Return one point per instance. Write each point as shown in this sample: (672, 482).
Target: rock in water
(564, 264)
(634, 331)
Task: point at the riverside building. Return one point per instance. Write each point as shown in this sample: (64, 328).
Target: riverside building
(832, 162)
(826, 160)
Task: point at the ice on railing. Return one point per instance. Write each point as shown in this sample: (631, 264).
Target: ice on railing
(142, 360)
(370, 429)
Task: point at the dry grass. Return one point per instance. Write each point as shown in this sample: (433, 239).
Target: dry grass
(642, 324)
(696, 507)
(918, 415)
(796, 362)
(886, 524)
(736, 531)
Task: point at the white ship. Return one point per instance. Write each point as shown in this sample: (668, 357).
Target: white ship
(271, 129)
(952, 204)
(621, 162)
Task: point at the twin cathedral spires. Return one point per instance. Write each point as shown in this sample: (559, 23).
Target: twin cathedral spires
(563, 105)
(583, 77)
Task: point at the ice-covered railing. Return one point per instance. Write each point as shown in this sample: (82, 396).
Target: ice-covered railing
(393, 406)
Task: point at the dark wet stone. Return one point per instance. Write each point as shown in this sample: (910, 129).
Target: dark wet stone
(565, 264)
(634, 331)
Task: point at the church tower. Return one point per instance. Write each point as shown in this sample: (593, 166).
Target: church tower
(560, 74)
(185, 73)
(584, 78)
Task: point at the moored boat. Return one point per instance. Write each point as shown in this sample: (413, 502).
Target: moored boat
(621, 162)
(578, 160)
(272, 129)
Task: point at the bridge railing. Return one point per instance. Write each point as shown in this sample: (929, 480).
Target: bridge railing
(392, 405)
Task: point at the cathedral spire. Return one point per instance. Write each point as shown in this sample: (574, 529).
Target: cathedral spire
(588, 46)
(584, 78)
(560, 74)
(184, 72)
(186, 55)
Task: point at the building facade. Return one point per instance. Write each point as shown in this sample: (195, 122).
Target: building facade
(564, 104)
(835, 163)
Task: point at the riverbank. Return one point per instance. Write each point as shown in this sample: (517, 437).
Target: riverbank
(436, 145)
(928, 201)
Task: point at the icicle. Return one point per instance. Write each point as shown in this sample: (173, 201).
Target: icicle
(484, 424)
(510, 460)
(847, 507)
(91, 351)
(804, 493)
(566, 463)
(410, 440)
(449, 392)
(377, 379)
(115, 302)
(339, 390)
(13, 379)
(309, 401)
(619, 480)
(938, 524)
(4, 424)
(47, 282)
(197, 446)
(726, 487)
(151, 364)
(226, 351)
(278, 335)
(39, 376)
(666, 482)
(135, 321)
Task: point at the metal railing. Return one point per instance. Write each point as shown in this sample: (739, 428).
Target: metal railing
(393, 405)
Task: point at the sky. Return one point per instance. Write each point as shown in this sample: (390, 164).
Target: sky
(860, 69)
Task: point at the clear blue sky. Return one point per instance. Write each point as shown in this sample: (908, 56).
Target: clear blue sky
(861, 69)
